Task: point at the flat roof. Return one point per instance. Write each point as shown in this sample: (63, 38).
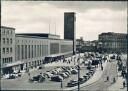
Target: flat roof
(38, 37)
(112, 33)
(7, 27)
(37, 34)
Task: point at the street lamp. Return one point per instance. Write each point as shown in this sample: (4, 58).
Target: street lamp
(79, 71)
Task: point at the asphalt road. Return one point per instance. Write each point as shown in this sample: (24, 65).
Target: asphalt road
(102, 84)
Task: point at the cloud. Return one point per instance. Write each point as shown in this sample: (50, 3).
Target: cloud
(85, 5)
(92, 17)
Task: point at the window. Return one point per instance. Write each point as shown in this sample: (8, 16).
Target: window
(7, 41)
(4, 31)
(7, 31)
(7, 51)
(11, 50)
(3, 40)
(7, 60)
(3, 60)
(29, 51)
(3, 50)
(10, 59)
(11, 40)
(11, 32)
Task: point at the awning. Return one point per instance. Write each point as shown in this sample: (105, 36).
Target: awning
(12, 64)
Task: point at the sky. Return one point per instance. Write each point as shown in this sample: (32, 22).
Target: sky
(92, 17)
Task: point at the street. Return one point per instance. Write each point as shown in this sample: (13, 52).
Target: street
(102, 84)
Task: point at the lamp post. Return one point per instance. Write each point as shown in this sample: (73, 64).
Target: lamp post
(79, 71)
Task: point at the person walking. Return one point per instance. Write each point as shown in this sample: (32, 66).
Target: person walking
(107, 78)
(114, 80)
(123, 84)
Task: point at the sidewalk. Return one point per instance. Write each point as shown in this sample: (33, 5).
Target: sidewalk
(97, 75)
(118, 86)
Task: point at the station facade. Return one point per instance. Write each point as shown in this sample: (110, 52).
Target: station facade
(22, 51)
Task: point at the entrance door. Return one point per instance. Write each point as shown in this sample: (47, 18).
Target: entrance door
(22, 66)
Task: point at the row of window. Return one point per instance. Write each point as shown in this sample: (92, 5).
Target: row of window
(66, 48)
(7, 50)
(31, 41)
(7, 32)
(54, 48)
(7, 41)
(7, 60)
(30, 51)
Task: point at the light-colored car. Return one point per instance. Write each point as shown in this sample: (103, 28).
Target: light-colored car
(6, 76)
(47, 74)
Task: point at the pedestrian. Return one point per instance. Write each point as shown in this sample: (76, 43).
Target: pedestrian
(114, 80)
(123, 84)
(101, 67)
(28, 73)
(107, 78)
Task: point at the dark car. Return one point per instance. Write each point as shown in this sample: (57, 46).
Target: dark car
(89, 67)
(88, 74)
(56, 78)
(91, 72)
(74, 71)
(38, 78)
(82, 80)
(40, 67)
(112, 57)
(72, 83)
(86, 77)
(11, 77)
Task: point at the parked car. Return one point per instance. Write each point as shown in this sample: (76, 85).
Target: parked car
(91, 72)
(54, 72)
(64, 68)
(112, 57)
(6, 76)
(68, 71)
(88, 74)
(74, 71)
(11, 76)
(40, 67)
(48, 74)
(82, 80)
(76, 67)
(88, 67)
(63, 75)
(56, 78)
(72, 83)
(38, 78)
(86, 77)
(67, 74)
(16, 74)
